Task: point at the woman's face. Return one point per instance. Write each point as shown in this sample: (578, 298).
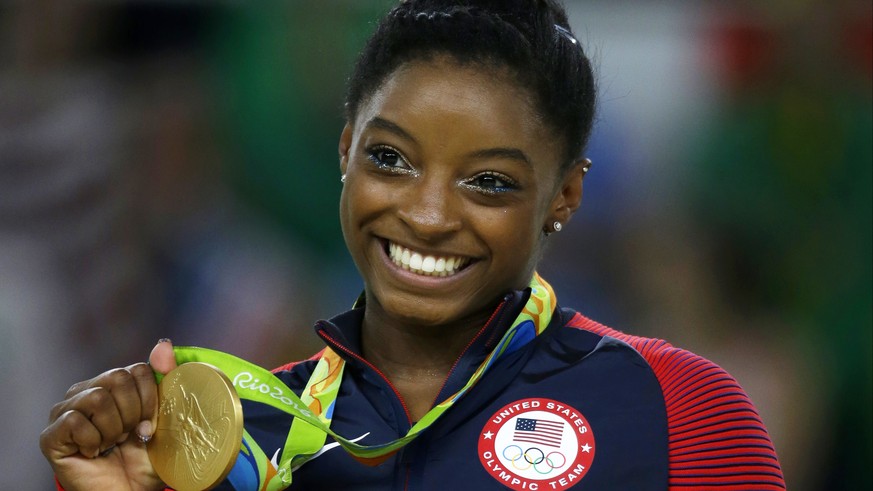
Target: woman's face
(450, 179)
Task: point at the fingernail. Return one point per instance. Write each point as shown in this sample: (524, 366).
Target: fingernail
(165, 340)
(144, 431)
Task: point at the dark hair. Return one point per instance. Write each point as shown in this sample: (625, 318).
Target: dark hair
(530, 37)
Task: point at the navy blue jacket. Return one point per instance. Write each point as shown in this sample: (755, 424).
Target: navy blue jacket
(581, 406)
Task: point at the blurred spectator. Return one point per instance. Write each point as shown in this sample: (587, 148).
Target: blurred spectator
(783, 191)
(228, 279)
(115, 225)
(71, 256)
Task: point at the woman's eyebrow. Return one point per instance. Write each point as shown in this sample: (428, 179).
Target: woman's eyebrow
(383, 124)
(488, 153)
(501, 153)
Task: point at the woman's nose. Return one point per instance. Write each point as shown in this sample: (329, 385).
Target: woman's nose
(431, 209)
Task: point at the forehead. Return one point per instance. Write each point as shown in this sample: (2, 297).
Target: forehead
(471, 104)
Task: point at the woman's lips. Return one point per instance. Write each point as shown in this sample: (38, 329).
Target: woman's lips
(426, 264)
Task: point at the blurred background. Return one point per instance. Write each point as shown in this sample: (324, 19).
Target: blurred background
(170, 169)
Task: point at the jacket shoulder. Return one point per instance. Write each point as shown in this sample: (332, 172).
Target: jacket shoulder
(716, 436)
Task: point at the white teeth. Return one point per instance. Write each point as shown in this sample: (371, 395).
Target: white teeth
(425, 264)
(415, 261)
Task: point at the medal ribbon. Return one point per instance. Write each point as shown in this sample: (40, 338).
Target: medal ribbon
(316, 404)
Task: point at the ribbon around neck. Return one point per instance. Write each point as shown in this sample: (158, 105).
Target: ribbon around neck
(313, 409)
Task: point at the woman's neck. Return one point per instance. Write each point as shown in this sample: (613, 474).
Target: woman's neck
(416, 359)
(395, 344)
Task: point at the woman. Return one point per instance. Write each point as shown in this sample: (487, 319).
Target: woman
(466, 122)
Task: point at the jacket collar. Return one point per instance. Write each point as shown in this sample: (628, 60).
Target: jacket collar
(343, 334)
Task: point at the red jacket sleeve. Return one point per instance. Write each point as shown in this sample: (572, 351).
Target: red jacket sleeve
(717, 440)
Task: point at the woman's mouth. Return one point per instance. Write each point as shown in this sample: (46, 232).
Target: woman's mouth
(425, 264)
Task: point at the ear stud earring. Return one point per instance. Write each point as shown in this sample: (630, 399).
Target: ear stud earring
(343, 178)
(556, 227)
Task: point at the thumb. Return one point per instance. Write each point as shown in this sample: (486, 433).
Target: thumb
(162, 359)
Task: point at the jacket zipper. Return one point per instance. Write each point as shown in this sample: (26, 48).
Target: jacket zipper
(373, 367)
(498, 310)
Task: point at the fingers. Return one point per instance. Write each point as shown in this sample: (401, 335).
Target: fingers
(101, 412)
(144, 378)
(70, 434)
(88, 424)
(162, 359)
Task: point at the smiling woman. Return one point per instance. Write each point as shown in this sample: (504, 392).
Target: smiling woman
(448, 161)
(462, 151)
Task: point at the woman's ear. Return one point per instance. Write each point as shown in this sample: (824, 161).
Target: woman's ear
(345, 145)
(569, 195)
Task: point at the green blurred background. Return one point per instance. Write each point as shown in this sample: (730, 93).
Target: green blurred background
(170, 169)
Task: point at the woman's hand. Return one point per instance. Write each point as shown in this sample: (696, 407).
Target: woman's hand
(95, 436)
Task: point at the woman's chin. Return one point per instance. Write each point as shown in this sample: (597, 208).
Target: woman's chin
(424, 313)
(423, 317)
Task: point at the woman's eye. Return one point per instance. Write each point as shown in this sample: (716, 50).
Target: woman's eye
(387, 158)
(491, 182)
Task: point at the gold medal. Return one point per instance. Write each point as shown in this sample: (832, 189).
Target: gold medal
(199, 429)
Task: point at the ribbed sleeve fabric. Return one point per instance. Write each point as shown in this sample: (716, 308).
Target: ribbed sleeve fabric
(717, 440)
